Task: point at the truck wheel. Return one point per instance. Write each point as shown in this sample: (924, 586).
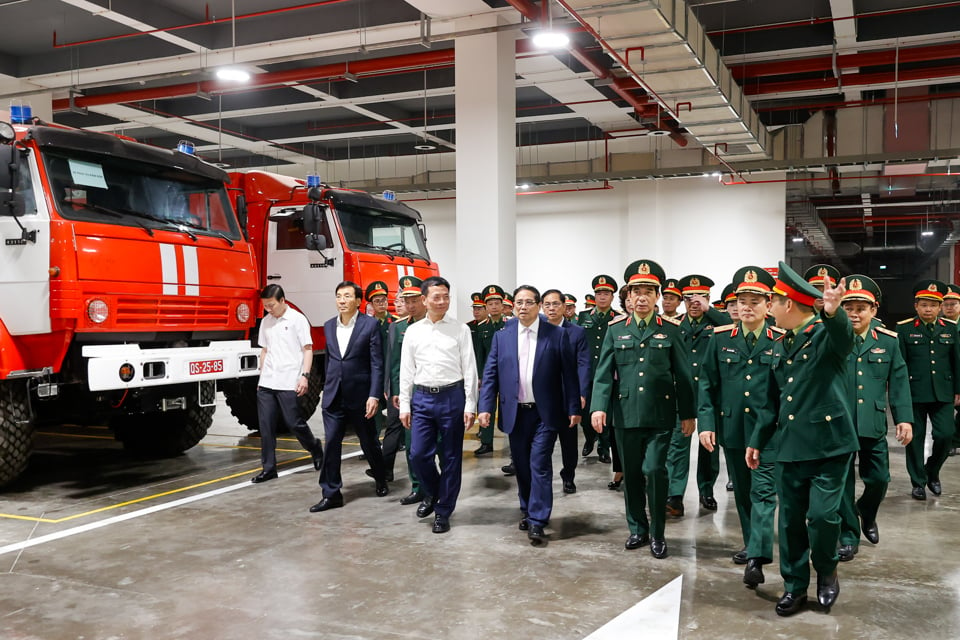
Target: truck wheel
(161, 434)
(16, 430)
(241, 396)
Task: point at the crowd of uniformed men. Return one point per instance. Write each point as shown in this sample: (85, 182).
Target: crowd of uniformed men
(792, 376)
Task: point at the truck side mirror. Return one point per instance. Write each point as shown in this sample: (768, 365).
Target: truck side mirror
(423, 231)
(312, 225)
(11, 203)
(242, 217)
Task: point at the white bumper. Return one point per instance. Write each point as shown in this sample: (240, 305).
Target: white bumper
(158, 367)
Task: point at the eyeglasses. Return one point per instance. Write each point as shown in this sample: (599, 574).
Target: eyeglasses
(551, 305)
(524, 303)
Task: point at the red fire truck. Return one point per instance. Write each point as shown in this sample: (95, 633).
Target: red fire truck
(307, 239)
(127, 289)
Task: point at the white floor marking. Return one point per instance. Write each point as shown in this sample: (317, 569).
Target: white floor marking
(90, 526)
(656, 617)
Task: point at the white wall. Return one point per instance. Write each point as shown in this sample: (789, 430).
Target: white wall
(688, 225)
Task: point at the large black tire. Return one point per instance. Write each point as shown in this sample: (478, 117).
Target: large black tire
(16, 430)
(241, 396)
(161, 434)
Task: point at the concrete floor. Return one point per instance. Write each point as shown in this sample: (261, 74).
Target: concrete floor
(187, 548)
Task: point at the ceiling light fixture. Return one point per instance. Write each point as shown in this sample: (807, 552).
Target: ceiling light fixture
(548, 38)
(233, 73)
(425, 144)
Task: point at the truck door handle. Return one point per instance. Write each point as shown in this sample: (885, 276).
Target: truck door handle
(273, 277)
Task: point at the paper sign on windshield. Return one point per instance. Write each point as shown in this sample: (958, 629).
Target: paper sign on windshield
(87, 174)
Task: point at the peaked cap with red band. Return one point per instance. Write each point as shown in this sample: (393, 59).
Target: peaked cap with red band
(929, 290)
(374, 289)
(953, 292)
(645, 272)
(861, 288)
(791, 285)
(818, 274)
(695, 285)
(603, 282)
(410, 286)
(753, 279)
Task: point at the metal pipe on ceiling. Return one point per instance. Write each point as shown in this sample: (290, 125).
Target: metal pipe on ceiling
(841, 104)
(851, 80)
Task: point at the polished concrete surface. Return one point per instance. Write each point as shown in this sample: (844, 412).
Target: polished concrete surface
(187, 548)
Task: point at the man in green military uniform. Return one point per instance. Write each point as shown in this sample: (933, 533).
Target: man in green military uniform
(734, 380)
(808, 410)
(696, 327)
(507, 306)
(479, 311)
(413, 303)
(878, 378)
(670, 299)
(589, 304)
(951, 311)
(930, 346)
(729, 297)
(595, 323)
(820, 276)
(643, 376)
(493, 297)
(376, 296)
(570, 308)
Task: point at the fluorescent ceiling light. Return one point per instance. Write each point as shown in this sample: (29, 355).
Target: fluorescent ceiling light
(550, 40)
(926, 233)
(798, 239)
(232, 74)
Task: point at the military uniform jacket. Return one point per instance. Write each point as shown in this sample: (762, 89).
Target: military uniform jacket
(644, 373)
(397, 330)
(483, 339)
(878, 372)
(734, 382)
(933, 359)
(807, 404)
(385, 325)
(595, 323)
(697, 336)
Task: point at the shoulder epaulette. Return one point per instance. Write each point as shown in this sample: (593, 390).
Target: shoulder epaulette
(885, 331)
(726, 327)
(776, 329)
(671, 320)
(484, 321)
(618, 319)
(949, 320)
(905, 321)
(399, 318)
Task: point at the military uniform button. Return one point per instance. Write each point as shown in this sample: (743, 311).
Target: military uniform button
(860, 386)
(666, 397)
(789, 398)
(696, 378)
(789, 361)
(749, 361)
(790, 379)
(933, 362)
(931, 351)
(642, 344)
(694, 364)
(639, 388)
(827, 418)
(859, 373)
(932, 372)
(693, 350)
(859, 359)
(728, 360)
(790, 417)
(746, 394)
(746, 410)
(641, 359)
(860, 401)
(748, 376)
(641, 374)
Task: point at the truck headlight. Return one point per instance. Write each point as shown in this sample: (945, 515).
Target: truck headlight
(243, 312)
(97, 310)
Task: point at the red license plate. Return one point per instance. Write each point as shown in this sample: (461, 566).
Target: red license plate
(201, 367)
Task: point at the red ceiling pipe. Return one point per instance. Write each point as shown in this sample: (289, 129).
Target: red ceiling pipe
(850, 80)
(400, 63)
(816, 106)
(744, 180)
(606, 187)
(848, 61)
(812, 21)
(207, 22)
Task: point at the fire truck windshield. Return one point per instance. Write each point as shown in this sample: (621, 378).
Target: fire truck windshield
(365, 229)
(100, 188)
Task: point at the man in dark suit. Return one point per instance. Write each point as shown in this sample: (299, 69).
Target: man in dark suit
(532, 368)
(354, 385)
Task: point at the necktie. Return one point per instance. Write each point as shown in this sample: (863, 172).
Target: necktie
(859, 341)
(524, 362)
(641, 325)
(751, 339)
(788, 340)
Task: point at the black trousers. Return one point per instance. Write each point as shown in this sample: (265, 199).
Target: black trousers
(336, 418)
(393, 435)
(271, 405)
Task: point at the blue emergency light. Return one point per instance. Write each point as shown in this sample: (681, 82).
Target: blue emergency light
(313, 180)
(21, 113)
(389, 195)
(187, 147)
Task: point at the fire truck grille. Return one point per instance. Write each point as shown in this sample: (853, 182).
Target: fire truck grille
(181, 313)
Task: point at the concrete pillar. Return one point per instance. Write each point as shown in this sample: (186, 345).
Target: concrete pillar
(486, 237)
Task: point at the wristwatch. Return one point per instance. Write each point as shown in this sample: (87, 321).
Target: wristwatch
(306, 375)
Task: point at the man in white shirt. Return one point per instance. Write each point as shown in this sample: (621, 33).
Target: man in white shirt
(438, 397)
(285, 360)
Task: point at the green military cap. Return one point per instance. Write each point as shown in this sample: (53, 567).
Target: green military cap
(695, 285)
(645, 272)
(410, 286)
(508, 300)
(476, 299)
(493, 292)
(953, 292)
(729, 294)
(374, 289)
(589, 300)
(817, 275)
(930, 290)
(753, 279)
(604, 282)
(791, 285)
(569, 299)
(670, 286)
(719, 305)
(861, 288)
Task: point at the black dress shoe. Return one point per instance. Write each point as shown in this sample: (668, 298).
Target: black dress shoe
(587, 449)
(846, 552)
(753, 573)
(919, 493)
(369, 473)
(411, 498)
(790, 603)
(934, 486)
(509, 469)
(333, 502)
(604, 458)
(483, 450)
(425, 508)
(740, 557)
(871, 533)
(828, 588)
(675, 506)
(658, 549)
(524, 524)
(729, 486)
(317, 457)
(441, 525)
(263, 476)
(613, 485)
(537, 537)
(569, 487)
(708, 502)
(635, 541)
(382, 489)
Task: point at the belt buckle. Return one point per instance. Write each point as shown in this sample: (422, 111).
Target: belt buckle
(434, 390)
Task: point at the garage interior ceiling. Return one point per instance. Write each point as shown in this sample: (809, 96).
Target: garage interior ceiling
(855, 99)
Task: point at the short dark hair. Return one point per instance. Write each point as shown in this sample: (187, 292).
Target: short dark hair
(433, 281)
(528, 287)
(274, 291)
(548, 292)
(346, 284)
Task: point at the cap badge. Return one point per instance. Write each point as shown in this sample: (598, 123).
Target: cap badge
(750, 276)
(822, 272)
(932, 287)
(855, 284)
(694, 282)
(643, 269)
(492, 290)
(601, 280)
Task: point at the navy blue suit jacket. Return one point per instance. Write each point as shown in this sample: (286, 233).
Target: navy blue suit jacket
(578, 342)
(555, 385)
(357, 374)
